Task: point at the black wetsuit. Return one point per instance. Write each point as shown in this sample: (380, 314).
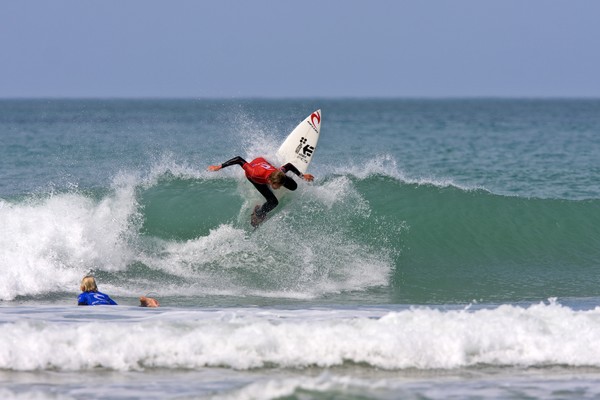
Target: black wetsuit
(264, 189)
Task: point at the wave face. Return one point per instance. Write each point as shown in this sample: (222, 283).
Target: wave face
(489, 246)
(413, 242)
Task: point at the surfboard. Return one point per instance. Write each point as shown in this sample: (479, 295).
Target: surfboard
(298, 148)
(300, 145)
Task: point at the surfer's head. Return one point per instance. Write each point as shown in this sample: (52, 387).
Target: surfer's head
(276, 179)
(88, 284)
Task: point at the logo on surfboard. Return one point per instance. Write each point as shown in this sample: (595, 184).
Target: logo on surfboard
(304, 150)
(315, 116)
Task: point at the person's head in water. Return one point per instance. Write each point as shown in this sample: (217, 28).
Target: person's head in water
(276, 179)
(88, 284)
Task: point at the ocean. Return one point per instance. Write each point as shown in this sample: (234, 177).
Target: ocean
(447, 249)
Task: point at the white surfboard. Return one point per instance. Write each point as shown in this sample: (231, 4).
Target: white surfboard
(300, 145)
(298, 148)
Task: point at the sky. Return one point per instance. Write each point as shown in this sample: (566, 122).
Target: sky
(299, 49)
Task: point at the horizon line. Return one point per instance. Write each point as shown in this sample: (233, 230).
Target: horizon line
(301, 98)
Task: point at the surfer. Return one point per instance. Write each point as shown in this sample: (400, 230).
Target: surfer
(91, 296)
(264, 176)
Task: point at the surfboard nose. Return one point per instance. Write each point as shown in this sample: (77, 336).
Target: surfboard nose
(299, 147)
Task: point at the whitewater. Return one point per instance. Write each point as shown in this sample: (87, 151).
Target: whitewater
(447, 249)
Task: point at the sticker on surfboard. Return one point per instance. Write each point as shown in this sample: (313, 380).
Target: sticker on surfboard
(300, 145)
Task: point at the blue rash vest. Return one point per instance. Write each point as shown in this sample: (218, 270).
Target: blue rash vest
(95, 299)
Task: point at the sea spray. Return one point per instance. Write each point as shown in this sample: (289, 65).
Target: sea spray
(50, 242)
(306, 249)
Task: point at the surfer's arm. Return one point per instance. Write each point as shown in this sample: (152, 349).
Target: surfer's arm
(290, 167)
(235, 160)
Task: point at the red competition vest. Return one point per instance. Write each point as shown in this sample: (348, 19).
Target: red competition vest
(258, 170)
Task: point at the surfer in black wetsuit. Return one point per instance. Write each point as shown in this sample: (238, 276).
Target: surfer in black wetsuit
(265, 176)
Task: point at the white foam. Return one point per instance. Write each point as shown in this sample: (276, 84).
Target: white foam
(280, 261)
(279, 388)
(121, 339)
(386, 165)
(49, 244)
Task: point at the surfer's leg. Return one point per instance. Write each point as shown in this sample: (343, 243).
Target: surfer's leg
(271, 202)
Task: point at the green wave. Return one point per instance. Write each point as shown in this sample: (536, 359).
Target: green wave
(446, 244)
(472, 244)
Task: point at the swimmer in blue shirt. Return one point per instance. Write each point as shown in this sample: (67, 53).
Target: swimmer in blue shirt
(91, 296)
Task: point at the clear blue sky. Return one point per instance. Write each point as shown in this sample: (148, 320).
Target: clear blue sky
(308, 48)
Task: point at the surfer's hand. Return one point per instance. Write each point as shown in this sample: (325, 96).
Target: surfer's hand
(308, 177)
(214, 167)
